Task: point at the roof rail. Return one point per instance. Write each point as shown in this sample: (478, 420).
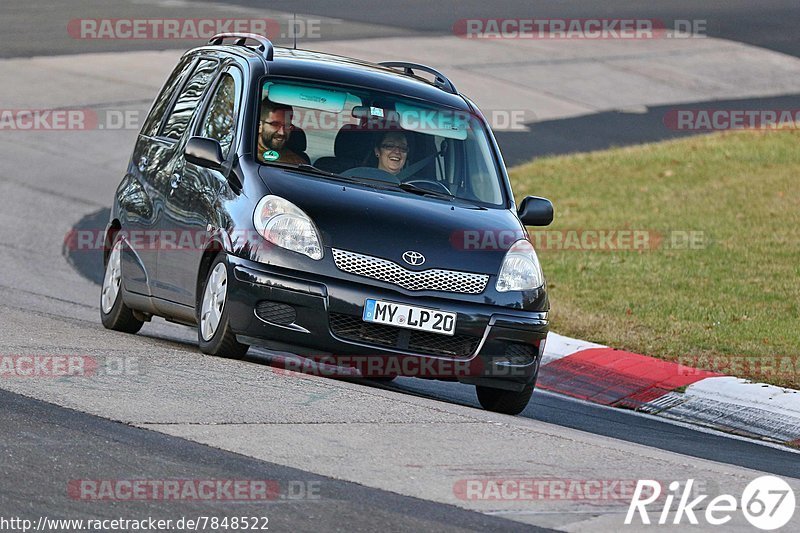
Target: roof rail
(440, 80)
(264, 44)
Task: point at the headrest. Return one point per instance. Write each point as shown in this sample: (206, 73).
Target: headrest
(297, 140)
(353, 142)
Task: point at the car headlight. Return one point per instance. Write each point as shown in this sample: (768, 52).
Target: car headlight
(284, 224)
(521, 270)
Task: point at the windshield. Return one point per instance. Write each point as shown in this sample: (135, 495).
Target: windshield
(373, 136)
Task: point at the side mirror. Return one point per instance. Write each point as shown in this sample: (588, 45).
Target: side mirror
(535, 211)
(204, 152)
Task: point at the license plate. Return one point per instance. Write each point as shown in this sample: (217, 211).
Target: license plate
(409, 316)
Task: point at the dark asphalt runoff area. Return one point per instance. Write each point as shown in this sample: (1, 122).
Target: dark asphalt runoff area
(48, 450)
(38, 27)
(769, 24)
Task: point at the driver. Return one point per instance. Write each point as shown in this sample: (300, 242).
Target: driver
(392, 151)
(274, 130)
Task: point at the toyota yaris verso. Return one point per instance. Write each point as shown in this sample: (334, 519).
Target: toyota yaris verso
(331, 208)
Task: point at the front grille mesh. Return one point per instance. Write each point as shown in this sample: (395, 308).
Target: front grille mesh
(521, 354)
(424, 280)
(276, 312)
(421, 342)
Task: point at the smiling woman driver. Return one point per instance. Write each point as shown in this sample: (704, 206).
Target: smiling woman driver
(392, 152)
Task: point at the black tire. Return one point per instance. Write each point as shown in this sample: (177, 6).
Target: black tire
(504, 401)
(223, 342)
(120, 317)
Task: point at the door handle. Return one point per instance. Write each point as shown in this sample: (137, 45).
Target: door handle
(142, 163)
(175, 181)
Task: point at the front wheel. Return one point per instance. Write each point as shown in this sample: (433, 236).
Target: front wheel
(504, 401)
(113, 312)
(213, 328)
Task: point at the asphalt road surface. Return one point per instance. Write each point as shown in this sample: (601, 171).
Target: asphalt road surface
(769, 24)
(47, 449)
(385, 457)
(44, 27)
(38, 27)
(545, 407)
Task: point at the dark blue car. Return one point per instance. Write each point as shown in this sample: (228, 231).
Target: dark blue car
(352, 213)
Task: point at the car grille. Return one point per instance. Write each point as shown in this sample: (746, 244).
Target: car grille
(353, 328)
(276, 312)
(424, 280)
(521, 354)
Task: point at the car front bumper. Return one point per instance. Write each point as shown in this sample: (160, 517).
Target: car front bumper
(320, 317)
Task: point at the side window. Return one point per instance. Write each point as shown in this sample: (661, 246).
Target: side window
(153, 120)
(188, 99)
(220, 120)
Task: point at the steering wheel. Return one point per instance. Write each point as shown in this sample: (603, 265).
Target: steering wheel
(431, 185)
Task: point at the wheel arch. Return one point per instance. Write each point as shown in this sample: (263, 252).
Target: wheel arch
(112, 229)
(215, 247)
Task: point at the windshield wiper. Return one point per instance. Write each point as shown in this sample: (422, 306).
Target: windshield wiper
(416, 189)
(376, 183)
(305, 167)
(369, 182)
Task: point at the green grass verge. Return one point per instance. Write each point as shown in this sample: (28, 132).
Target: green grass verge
(732, 303)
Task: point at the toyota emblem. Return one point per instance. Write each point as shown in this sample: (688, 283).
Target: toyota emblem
(413, 258)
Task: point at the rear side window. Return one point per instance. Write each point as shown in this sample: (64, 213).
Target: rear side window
(220, 120)
(188, 99)
(153, 121)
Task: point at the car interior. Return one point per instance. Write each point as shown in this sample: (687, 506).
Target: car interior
(443, 160)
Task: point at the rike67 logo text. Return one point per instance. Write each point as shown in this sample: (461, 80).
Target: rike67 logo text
(768, 503)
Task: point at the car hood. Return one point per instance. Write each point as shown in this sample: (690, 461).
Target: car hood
(452, 235)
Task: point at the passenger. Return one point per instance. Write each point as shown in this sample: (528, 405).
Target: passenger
(391, 150)
(274, 130)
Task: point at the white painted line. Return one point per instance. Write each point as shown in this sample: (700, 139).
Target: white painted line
(740, 405)
(725, 402)
(675, 422)
(559, 346)
(746, 393)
